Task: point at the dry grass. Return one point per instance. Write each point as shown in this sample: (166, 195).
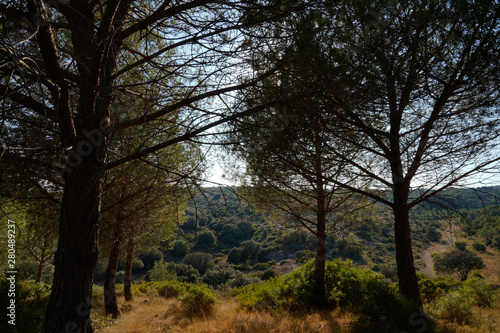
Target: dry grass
(491, 258)
(161, 315)
(157, 314)
(486, 320)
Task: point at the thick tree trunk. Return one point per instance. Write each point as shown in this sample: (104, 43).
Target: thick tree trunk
(76, 256)
(319, 262)
(408, 282)
(110, 301)
(127, 283)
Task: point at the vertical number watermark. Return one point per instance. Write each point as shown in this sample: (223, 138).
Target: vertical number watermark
(11, 273)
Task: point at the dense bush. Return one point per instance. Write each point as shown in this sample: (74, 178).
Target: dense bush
(479, 247)
(458, 261)
(304, 256)
(457, 304)
(199, 300)
(31, 301)
(180, 248)
(233, 234)
(161, 272)
(459, 245)
(201, 261)
(206, 240)
(150, 258)
(432, 288)
(377, 307)
(217, 277)
(264, 265)
(228, 277)
(268, 274)
(184, 273)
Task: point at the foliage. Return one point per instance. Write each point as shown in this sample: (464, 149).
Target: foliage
(303, 256)
(184, 273)
(200, 261)
(459, 245)
(199, 300)
(461, 262)
(151, 257)
(479, 247)
(101, 323)
(268, 274)
(171, 289)
(31, 301)
(364, 292)
(180, 248)
(233, 234)
(206, 240)
(161, 272)
(457, 304)
(220, 276)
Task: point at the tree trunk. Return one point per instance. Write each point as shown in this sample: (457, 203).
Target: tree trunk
(408, 282)
(68, 309)
(127, 283)
(319, 262)
(110, 302)
(41, 265)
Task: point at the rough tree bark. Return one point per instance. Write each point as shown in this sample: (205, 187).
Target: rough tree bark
(127, 283)
(407, 275)
(110, 301)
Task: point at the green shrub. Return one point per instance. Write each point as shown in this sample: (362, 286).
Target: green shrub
(31, 302)
(482, 293)
(455, 306)
(479, 247)
(180, 248)
(377, 306)
(171, 289)
(199, 300)
(265, 296)
(459, 245)
(217, 277)
(184, 273)
(161, 272)
(303, 256)
(344, 284)
(268, 274)
(429, 290)
(261, 266)
(384, 311)
(201, 261)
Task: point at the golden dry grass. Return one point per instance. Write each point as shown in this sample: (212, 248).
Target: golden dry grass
(157, 314)
(491, 258)
(485, 320)
(161, 315)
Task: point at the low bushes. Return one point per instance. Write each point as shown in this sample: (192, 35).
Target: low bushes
(456, 305)
(196, 299)
(31, 302)
(362, 291)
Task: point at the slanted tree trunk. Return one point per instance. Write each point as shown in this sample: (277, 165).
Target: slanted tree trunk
(127, 283)
(407, 276)
(110, 302)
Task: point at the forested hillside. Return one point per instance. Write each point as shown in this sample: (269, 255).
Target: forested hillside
(223, 231)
